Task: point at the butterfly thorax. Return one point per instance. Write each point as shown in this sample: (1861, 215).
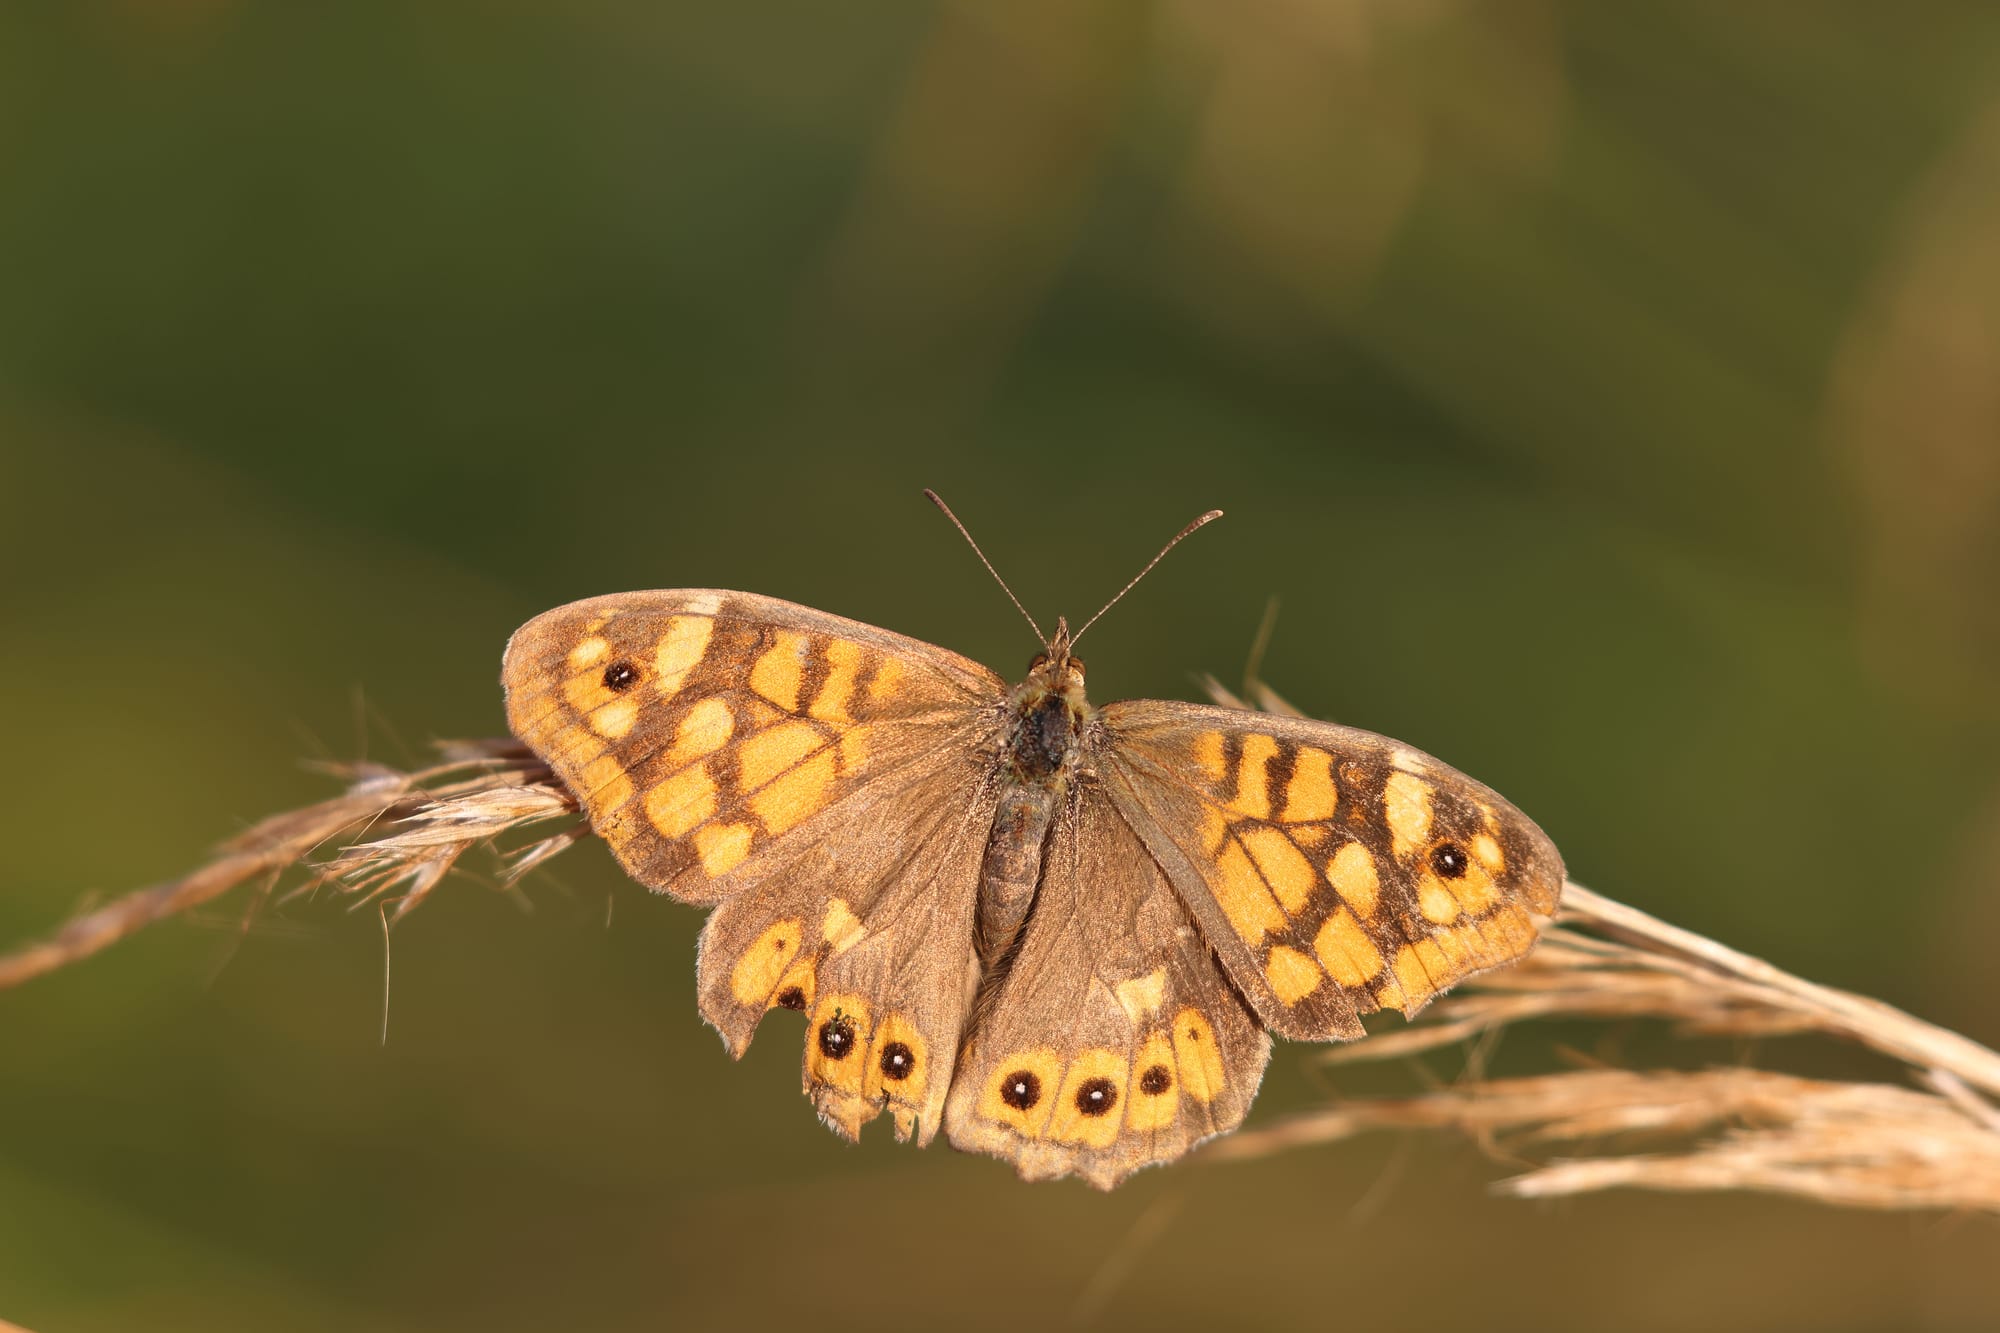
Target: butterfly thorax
(1044, 723)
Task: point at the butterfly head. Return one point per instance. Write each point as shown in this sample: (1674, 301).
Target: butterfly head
(1055, 670)
(1049, 713)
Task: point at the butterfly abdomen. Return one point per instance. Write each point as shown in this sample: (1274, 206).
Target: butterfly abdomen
(1012, 867)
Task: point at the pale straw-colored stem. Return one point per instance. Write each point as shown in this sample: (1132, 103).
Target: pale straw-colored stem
(1930, 1142)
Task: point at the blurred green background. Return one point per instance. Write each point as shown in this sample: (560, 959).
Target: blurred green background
(1607, 391)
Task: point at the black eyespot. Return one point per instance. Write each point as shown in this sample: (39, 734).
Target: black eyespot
(792, 998)
(620, 676)
(1097, 1096)
(1449, 860)
(1155, 1081)
(1021, 1089)
(836, 1036)
(898, 1061)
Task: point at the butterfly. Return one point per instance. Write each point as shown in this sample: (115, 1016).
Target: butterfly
(1058, 933)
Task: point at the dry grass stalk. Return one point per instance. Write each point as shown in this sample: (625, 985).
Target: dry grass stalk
(390, 830)
(1932, 1142)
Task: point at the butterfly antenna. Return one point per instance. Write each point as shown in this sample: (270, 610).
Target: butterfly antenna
(935, 499)
(1179, 537)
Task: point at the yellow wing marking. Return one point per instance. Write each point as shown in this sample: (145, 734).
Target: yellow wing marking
(1252, 798)
(755, 977)
(1438, 904)
(1197, 1055)
(888, 680)
(1243, 897)
(615, 719)
(830, 704)
(1427, 966)
(678, 804)
(1208, 753)
(1155, 1090)
(1292, 975)
(1140, 996)
(706, 729)
(795, 796)
(608, 786)
(722, 847)
(1353, 876)
(853, 750)
(780, 671)
(762, 757)
(680, 651)
(1346, 951)
(1406, 803)
(842, 930)
(1310, 797)
(1284, 867)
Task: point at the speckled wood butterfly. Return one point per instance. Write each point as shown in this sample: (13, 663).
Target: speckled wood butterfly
(1057, 932)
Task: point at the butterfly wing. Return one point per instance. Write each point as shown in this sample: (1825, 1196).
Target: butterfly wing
(828, 784)
(1334, 871)
(701, 728)
(1110, 1040)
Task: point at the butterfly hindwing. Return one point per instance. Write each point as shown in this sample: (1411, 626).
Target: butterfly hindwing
(1110, 1039)
(1335, 871)
(868, 932)
(701, 729)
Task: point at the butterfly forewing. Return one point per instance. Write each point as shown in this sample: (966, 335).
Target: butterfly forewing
(1335, 871)
(1112, 1040)
(701, 728)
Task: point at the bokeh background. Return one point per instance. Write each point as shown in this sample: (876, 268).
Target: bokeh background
(1606, 391)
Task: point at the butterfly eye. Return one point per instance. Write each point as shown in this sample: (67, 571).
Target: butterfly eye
(1076, 667)
(620, 676)
(1449, 860)
(1039, 661)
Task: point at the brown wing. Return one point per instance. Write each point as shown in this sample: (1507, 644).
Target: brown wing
(1335, 871)
(1112, 1040)
(702, 728)
(868, 931)
(829, 784)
